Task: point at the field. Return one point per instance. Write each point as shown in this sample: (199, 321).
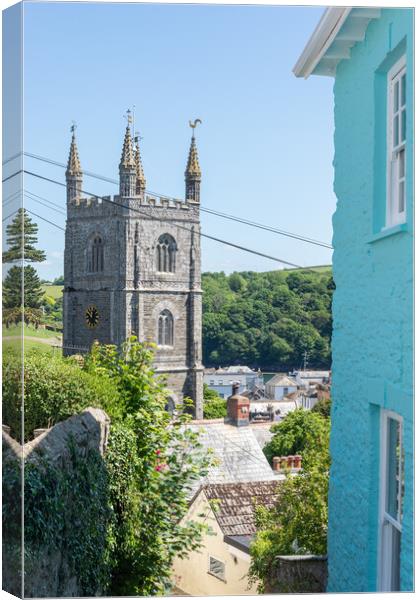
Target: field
(53, 291)
(41, 339)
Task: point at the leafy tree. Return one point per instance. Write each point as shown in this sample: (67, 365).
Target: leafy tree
(12, 288)
(236, 282)
(21, 237)
(58, 280)
(300, 431)
(298, 524)
(323, 407)
(214, 406)
(267, 320)
(150, 493)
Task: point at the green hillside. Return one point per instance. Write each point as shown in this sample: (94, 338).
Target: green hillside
(268, 320)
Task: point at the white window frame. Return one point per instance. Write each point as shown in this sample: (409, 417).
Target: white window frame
(386, 521)
(396, 154)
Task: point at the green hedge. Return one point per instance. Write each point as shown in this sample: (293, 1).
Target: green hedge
(55, 389)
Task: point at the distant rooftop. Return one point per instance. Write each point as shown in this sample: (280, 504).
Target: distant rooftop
(238, 452)
(282, 381)
(235, 508)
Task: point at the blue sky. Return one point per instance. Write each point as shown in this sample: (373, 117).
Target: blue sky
(266, 142)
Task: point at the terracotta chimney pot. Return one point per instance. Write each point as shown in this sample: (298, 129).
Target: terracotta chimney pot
(276, 463)
(298, 461)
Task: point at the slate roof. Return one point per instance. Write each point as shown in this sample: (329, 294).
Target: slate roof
(239, 455)
(234, 510)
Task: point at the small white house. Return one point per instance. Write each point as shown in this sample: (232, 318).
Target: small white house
(279, 386)
(306, 378)
(221, 380)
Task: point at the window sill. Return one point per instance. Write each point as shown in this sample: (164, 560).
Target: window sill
(388, 232)
(217, 577)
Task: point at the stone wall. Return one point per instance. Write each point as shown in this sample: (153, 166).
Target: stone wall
(48, 570)
(298, 574)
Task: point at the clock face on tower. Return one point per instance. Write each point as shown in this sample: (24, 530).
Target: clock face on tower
(92, 316)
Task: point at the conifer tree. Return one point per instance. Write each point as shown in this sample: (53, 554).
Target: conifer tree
(21, 239)
(12, 288)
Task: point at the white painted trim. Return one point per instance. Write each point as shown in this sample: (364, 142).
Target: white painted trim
(325, 33)
(383, 462)
(392, 217)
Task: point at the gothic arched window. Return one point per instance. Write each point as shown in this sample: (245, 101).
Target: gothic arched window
(96, 255)
(165, 329)
(165, 254)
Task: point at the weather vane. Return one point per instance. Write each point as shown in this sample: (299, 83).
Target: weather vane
(128, 116)
(137, 136)
(194, 124)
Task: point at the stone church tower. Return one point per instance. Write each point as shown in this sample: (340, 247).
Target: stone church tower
(132, 266)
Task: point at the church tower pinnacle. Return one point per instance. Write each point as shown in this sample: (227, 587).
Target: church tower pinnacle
(193, 171)
(128, 164)
(140, 178)
(74, 175)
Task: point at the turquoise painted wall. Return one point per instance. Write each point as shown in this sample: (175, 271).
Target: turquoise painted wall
(372, 307)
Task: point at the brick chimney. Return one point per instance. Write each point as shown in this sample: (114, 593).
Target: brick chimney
(238, 408)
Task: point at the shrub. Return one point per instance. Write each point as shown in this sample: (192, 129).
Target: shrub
(214, 406)
(55, 389)
(300, 431)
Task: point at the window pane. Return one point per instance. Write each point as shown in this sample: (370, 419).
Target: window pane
(403, 85)
(217, 568)
(396, 95)
(396, 131)
(401, 197)
(393, 468)
(401, 163)
(403, 125)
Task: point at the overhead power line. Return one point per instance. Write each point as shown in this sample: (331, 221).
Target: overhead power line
(150, 217)
(44, 219)
(248, 222)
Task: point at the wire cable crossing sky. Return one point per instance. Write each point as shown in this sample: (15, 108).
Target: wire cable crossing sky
(266, 158)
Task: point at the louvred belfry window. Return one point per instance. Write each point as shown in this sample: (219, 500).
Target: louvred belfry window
(165, 329)
(96, 255)
(165, 254)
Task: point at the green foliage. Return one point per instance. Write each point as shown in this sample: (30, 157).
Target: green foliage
(214, 406)
(150, 484)
(30, 316)
(12, 288)
(300, 431)
(267, 319)
(55, 389)
(298, 524)
(323, 407)
(58, 280)
(151, 463)
(21, 237)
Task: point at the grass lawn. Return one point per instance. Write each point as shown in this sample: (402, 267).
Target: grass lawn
(16, 346)
(54, 291)
(16, 331)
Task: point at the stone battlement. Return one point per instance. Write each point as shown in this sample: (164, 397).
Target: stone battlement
(148, 201)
